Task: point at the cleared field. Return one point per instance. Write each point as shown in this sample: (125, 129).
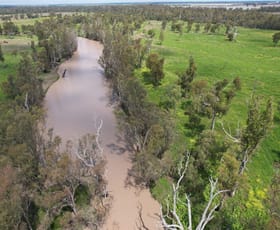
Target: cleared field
(15, 44)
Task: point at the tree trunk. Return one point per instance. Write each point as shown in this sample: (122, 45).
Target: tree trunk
(241, 170)
(73, 205)
(213, 121)
(26, 102)
(243, 162)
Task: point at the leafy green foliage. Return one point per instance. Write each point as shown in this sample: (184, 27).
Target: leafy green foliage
(276, 38)
(228, 171)
(10, 28)
(2, 59)
(161, 36)
(26, 88)
(186, 78)
(155, 64)
(258, 122)
(177, 27)
(274, 201)
(57, 41)
(151, 33)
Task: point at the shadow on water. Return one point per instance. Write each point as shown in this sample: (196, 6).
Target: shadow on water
(116, 149)
(119, 147)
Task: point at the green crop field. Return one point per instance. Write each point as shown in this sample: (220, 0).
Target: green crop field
(252, 57)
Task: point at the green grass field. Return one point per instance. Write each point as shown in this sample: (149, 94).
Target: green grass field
(252, 57)
(12, 47)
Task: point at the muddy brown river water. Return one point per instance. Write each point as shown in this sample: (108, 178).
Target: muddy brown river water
(73, 104)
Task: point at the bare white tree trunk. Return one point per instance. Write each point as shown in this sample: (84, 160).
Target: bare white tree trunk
(213, 120)
(87, 154)
(26, 105)
(177, 223)
(231, 137)
(72, 191)
(97, 137)
(208, 213)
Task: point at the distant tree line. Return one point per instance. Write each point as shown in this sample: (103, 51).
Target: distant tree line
(9, 28)
(252, 18)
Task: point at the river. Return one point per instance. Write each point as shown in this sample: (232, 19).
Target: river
(74, 104)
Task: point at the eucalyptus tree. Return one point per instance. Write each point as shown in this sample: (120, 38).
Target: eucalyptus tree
(186, 78)
(2, 59)
(10, 28)
(259, 120)
(64, 174)
(161, 36)
(155, 63)
(197, 27)
(276, 38)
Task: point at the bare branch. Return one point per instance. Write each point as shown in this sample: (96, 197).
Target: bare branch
(182, 171)
(232, 138)
(189, 212)
(167, 226)
(146, 137)
(87, 153)
(97, 136)
(208, 215)
(83, 160)
(178, 223)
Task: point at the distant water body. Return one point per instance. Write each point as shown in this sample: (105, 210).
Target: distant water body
(99, 2)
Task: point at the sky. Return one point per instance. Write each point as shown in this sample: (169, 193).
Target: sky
(50, 2)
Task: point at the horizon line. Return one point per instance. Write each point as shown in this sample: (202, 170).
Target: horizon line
(130, 2)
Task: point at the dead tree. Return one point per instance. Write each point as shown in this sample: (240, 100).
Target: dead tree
(172, 216)
(90, 153)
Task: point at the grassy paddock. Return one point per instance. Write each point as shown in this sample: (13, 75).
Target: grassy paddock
(9, 67)
(252, 57)
(15, 43)
(11, 47)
